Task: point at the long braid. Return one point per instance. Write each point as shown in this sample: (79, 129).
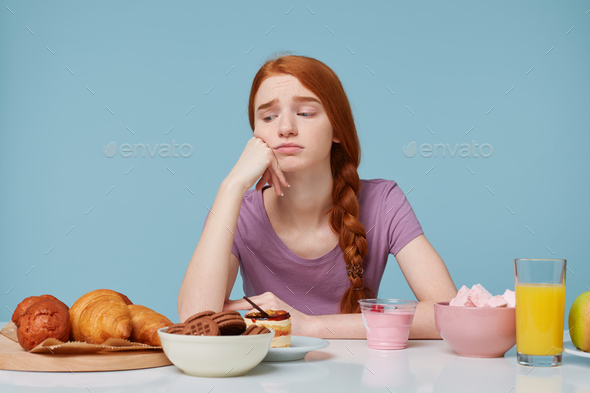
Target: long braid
(344, 221)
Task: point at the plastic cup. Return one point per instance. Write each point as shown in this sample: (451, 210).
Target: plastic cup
(388, 322)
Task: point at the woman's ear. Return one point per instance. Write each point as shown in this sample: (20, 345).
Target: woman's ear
(335, 140)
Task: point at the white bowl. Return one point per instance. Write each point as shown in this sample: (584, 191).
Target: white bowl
(215, 356)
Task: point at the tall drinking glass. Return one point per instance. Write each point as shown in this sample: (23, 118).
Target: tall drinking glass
(540, 303)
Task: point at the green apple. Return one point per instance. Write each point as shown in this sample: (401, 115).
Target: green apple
(579, 321)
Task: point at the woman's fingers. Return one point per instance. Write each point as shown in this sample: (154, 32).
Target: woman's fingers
(266, 301)
(277, 176)
(268, 177)
(276, 183)
(241, 304)
(280, 175)
(273, 175)
(262, 182)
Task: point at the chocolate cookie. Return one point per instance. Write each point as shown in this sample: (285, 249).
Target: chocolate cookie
(201, 314)
(230, 323)
(177, 328)
(224, 313)
(255, 329)
(203, 326)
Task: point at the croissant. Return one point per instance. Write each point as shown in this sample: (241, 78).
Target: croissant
(99, 315)
(146, 323)
(125, 298)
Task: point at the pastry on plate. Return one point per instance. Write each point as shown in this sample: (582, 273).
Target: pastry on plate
(22, 307)
(45, 318)
(278, 320)
(146, 323)
(99, 315)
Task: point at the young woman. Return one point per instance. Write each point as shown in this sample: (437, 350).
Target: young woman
(316, 239)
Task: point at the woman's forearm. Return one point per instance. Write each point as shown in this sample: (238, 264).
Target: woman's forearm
(204, 284)
(334, 326)
(423, 326)
(350, 326)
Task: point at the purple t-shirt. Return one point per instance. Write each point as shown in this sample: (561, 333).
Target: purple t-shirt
(315, 286)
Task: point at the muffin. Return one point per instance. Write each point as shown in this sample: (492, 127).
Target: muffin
(278, 320)
(25, 304)
(46, 318)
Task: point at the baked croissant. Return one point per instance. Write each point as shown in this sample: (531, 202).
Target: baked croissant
(99, 315)
(146, 323)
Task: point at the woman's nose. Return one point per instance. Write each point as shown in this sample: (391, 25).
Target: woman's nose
(287, 125)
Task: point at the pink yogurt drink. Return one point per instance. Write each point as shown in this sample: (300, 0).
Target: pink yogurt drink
(388, 322)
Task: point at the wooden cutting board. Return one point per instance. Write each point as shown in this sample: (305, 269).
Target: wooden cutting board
(14, 357)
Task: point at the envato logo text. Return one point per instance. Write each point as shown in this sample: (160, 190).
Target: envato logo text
(165, 150)
(464, 150)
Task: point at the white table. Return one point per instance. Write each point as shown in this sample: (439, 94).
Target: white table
(345, 366)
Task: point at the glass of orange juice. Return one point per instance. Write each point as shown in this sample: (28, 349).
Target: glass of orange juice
(540, 303)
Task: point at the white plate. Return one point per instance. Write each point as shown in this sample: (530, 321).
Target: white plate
(300, 346)
(568, 347)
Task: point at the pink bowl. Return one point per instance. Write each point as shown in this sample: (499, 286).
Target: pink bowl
(477, 332)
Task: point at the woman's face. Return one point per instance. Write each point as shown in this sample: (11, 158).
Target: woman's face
(286, 112)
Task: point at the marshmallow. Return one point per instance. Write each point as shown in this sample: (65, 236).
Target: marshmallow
(478, 295)
(496, 301)
(461, 297)
(510, 298)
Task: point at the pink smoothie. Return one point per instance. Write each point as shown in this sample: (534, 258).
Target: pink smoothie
(389, 329)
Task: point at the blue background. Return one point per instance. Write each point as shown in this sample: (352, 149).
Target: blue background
(158, 65)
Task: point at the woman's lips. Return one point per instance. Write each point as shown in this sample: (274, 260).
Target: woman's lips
(289, 149)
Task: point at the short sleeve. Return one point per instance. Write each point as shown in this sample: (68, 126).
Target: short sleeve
(234, 246)
(403, 225)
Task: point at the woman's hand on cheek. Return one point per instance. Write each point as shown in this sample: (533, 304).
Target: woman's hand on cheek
(273, 175)
(269, 301)
(257, 163)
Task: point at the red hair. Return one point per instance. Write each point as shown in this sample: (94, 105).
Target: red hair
(345, 158)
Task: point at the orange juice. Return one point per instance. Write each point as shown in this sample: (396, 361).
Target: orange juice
(539, 318)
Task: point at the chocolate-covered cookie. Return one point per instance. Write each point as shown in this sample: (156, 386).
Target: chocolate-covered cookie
(230, 323)
(255, 329)
(225, 313)
(201, 314)
(177, 328)
(203, 326)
